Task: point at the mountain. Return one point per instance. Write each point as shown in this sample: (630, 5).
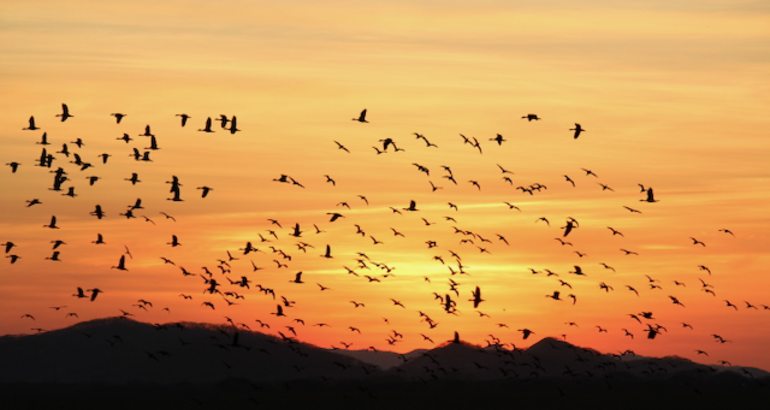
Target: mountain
(382, 359)
(548, 358)
(118, 350)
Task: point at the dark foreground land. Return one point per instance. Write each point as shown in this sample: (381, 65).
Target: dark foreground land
(683, 392)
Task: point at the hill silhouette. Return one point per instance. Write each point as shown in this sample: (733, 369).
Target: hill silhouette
(124, 364)
(117, 350)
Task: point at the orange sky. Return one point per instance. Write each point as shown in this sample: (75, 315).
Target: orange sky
(672, 97)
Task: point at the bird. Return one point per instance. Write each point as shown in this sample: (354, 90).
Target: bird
(361, 117)
(98, 212)
(31, 125)
(650, 196)
(412, 206)
(174, 241)
(134, 178)
(526, 333)
(147, 132)
(531, 117)
(223, 120)
(614, 232)
(476, 297)
(233, 125)
(65, 113)
(554, 296)
(605, 187)
(14, 166)
(578, 271)
(499, 139)
(80, 294)
(297, 278)
(184, 117)
(54, 257)
(118, 117)
(205, 190)
(397, 303)
(578, 129)
(52, 224)
(342, 147)
(207, 128)
(568, 228)
(94, 293)
(512, 206)
(121, 263)
(697, 242)
(168, 216)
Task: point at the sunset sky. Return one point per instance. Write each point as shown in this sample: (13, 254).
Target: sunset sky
(672, 95)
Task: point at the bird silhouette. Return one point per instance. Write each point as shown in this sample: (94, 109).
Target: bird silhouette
(205, 190)
(80, 294)
(578, 129)
(31, 125)
(65, 113)
(52, 224)
(174, 241)
(297, 278)
(412, 206)
(233, 125)
(650, 196)
(118, 116)
(207, 128)
(342, 147)
(121, 263)
(94, 293)
(184, 117)
(361, 117)
(697, 242)
(499, 139)
(526, 333)
(476, 297)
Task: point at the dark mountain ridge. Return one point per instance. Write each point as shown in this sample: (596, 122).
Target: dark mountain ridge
(118, 350)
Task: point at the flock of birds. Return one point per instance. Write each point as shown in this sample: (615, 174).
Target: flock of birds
(222, 287)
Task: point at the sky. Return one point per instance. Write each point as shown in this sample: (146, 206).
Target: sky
(672, 95)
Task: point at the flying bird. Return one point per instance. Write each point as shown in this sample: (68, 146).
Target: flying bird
(361, 117)
(207, 128)
(578, 129)
(185, 117)
(118, 117)
(121, 263)
(65, 113)
(650, 196)
(31, 126)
